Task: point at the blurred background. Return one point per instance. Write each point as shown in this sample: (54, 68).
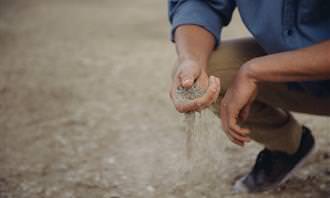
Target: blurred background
(84, 110)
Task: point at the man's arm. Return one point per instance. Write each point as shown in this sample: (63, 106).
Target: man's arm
(311, 63)
(196, 27)
(210, 15)
(194, 46)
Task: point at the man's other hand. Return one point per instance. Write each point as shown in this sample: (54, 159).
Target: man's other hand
(235, 106)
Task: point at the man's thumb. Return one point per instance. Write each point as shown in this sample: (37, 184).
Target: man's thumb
(187, 83)
(187, 80)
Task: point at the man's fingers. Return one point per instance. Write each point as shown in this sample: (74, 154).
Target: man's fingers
(237, 134)
(187, 107)
(227, 131)
(224, 123)
(211, 93)
(235, 130)
(233, 140)
(218, 88)
(172, 92)
(233, 126)
(219, 84)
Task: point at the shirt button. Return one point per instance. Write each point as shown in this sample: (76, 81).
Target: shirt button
(289, 32)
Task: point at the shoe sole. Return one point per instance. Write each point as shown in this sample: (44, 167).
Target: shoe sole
(239, 187)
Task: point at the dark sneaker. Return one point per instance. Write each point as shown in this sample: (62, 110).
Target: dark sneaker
(273, 168)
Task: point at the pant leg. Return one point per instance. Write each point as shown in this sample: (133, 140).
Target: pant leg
(296, 101)
(274, 127)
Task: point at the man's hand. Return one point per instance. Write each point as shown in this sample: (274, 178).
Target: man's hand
(235, 107)
(185, 75)
(194, 46)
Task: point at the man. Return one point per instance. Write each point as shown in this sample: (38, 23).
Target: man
(285, 67)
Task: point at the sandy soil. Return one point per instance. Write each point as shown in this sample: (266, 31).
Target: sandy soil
(84, 110)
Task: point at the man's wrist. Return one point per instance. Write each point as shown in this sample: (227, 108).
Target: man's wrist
(250, 70)
(193, 62)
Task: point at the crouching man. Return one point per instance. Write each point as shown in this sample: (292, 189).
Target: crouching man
(253, 84)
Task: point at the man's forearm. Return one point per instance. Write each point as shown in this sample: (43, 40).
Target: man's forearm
(311, 63)
(194, 43)
(194, 46)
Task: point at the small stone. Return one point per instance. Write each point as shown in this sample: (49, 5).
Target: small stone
(150, 188)
(112, 195)
(68, 195)
(327, 172)
(326, 156)
(111, 160)
(323, 186)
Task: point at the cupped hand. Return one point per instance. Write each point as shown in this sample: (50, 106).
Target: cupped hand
(188, 73)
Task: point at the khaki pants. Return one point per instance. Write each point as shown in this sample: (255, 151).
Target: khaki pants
(270, 122)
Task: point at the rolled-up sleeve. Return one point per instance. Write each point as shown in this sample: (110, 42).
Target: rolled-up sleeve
(211, 15)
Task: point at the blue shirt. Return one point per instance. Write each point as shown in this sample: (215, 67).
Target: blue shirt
(277, 25)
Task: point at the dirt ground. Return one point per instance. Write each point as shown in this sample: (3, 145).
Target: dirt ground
(84, 111)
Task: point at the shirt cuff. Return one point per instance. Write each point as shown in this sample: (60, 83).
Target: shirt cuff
(197, 13)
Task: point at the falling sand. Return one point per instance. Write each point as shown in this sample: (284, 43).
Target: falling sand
(202, 144)
(186, 96)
